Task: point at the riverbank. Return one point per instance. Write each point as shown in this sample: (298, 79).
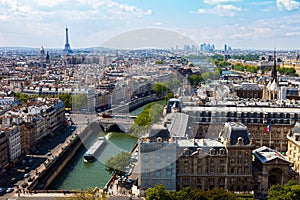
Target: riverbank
(79, 175)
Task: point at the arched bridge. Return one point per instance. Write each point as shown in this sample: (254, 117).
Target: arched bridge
(115, 124)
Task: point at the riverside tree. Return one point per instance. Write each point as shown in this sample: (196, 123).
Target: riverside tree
(117, 164)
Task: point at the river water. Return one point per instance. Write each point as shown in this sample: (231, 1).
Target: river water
(79, 175)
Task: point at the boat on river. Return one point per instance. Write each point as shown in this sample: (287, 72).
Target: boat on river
(92, 152)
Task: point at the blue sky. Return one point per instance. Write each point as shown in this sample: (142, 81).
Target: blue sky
(244, 24)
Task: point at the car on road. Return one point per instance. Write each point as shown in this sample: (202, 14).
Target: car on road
(49, 154)
(14, 180)
(26, 175)
(2, 191)
(129, 180)
(9, 190)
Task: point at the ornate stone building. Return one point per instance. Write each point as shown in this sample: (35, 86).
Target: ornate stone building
(226, 163)
(294, 148)
(207, 121)
(270, 168)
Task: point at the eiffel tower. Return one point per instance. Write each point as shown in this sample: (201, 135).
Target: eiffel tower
(67, 49)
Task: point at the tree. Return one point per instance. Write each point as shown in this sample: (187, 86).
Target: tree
(159, 88)
(117, 164)
(195, 79)
(159, 62)
(183, 194)
(150, 115)
(79, 101)
(207, 75)
(198, 194)
(158, 193)
(67, 99)
(155, 113)
(290, 191)
(220, 194)
(169, 96)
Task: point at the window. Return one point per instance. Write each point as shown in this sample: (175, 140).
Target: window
(232, 170)
(169, 173)
(212, 170)
(232, 160)
(240, 161)
(239, 170)
(199, 170)
(186, 170)
(199, 161)
(157, 157)
(157, 173)
(222, 161)
(222, 169)
(211, 160)
(199, 181)
(157, 165)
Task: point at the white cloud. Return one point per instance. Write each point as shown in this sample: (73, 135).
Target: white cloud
(292, 34)
(113, 7)
(221, 10)
(288, 5)
(214, 2)
(49, 3)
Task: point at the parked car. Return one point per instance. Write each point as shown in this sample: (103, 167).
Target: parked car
(26, 175)
(2, 191)
(9, 190)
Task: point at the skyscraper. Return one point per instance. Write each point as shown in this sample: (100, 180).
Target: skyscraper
(67, 49)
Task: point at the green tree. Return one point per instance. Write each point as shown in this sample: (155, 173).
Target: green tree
(195, 79)
(155, 113)
(183, 194)
(143, 119)
(220, 194)
(160, 88)
(277, 192)
(150, 115)
(159, 62)
(117, 164)
(238, 67)
(198, 194)
(79, 101)
(207, 75)
(170, 95)
(158, 193)
(67, 99)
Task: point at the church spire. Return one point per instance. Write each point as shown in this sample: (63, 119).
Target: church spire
(274, 71)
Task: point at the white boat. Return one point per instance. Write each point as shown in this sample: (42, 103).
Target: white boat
(91, 154)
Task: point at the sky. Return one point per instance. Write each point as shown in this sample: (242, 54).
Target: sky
(241, 24)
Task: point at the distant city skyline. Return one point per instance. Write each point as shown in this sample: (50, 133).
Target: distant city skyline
(241, 24)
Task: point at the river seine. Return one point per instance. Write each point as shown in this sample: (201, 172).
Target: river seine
(78, 175)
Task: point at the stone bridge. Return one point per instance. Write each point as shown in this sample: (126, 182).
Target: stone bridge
(115, 124)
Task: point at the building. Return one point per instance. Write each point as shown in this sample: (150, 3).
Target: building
(158, 152)
(3, 149)
(208, 120)
(209, 163)
(270, 168)
(14, 141)
(249, 91)
(294, 148)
